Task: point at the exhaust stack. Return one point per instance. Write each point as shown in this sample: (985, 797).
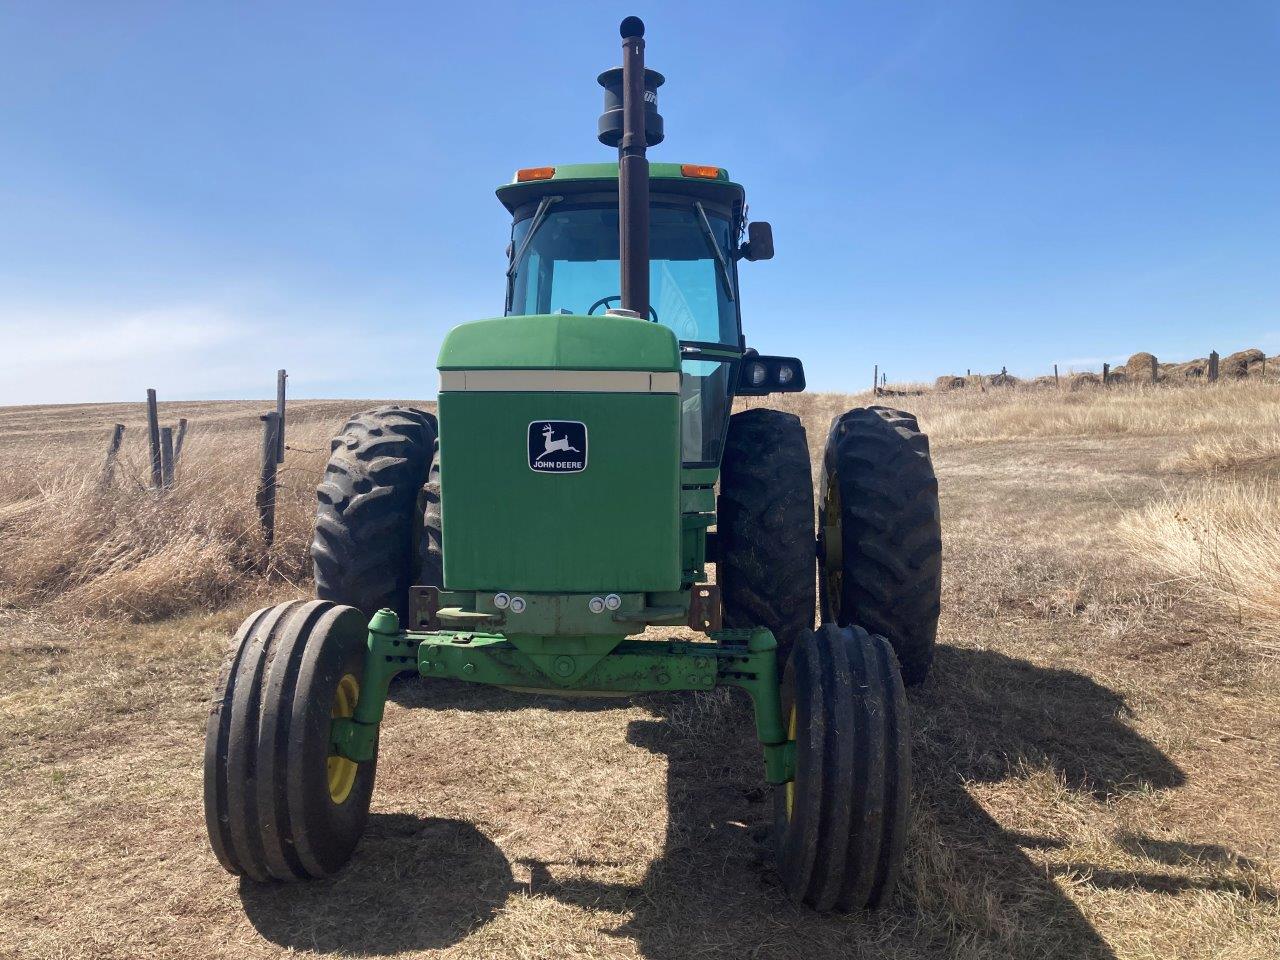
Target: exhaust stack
(631, 122)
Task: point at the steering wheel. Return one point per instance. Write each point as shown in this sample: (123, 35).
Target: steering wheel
(603, 301)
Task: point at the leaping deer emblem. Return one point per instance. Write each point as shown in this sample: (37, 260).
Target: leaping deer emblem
(554, 446)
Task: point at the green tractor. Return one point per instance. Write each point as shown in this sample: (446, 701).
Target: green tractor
(562, 503)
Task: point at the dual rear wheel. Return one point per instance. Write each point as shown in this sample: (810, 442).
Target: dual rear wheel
(879, 537)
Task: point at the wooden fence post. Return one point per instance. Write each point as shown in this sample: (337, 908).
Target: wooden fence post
(1106, 374)
(1056, 381)
(153, 436)
(875, 380)
(166, 457)
(267, 481)
(1213, 366)
(281, 377)
(113, 447)
(177, 443)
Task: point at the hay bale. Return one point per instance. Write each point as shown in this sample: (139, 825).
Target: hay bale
(1140, 365)
(1003, 380)
(1081, 380)
(950, 383)
(1237, 364)
(1119, 375)
(1189, 370)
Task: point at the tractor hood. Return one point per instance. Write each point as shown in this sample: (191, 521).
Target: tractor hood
(561, 342)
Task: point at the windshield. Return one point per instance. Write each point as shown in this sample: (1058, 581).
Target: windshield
(571, 266)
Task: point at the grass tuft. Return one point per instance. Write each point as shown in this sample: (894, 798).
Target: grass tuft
(122, 550)
(1222, 538)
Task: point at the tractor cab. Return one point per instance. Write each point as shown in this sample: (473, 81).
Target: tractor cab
(564, 258)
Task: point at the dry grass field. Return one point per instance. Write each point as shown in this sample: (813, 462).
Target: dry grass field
(1097, 750)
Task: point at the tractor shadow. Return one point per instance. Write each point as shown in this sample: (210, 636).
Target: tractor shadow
(415, 883)
(968, 885)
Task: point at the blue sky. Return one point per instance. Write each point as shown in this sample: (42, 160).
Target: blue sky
(192, 195)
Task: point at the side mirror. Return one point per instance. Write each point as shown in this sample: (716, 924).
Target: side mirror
(759, 245)
(759, 375)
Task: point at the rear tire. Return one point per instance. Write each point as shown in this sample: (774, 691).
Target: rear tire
(430, 547)
(880, 533)
(366, 515)
(279, 803)
(764, 526)
(841, 824)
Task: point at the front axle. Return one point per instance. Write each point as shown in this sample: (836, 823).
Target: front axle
(571, 666)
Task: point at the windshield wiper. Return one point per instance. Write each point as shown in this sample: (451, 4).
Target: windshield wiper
(538, 216)
(710, 236)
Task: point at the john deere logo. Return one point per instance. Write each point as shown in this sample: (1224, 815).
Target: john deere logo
(557, 446)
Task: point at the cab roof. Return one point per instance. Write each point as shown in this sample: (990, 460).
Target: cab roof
(571, 178)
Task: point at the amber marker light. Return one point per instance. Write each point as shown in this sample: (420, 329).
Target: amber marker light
(535, 173)
(697, 170)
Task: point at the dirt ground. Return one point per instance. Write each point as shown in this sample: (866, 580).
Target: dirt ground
(1097, 757)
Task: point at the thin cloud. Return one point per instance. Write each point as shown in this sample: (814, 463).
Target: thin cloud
(44, 341)
(77, 357)
(203, 352)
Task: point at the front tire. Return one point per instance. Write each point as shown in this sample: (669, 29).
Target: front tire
(841, 824)
(280, 804)
(880, 533)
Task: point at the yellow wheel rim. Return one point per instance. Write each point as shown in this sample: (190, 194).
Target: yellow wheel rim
(791, 784)
(342, 772)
